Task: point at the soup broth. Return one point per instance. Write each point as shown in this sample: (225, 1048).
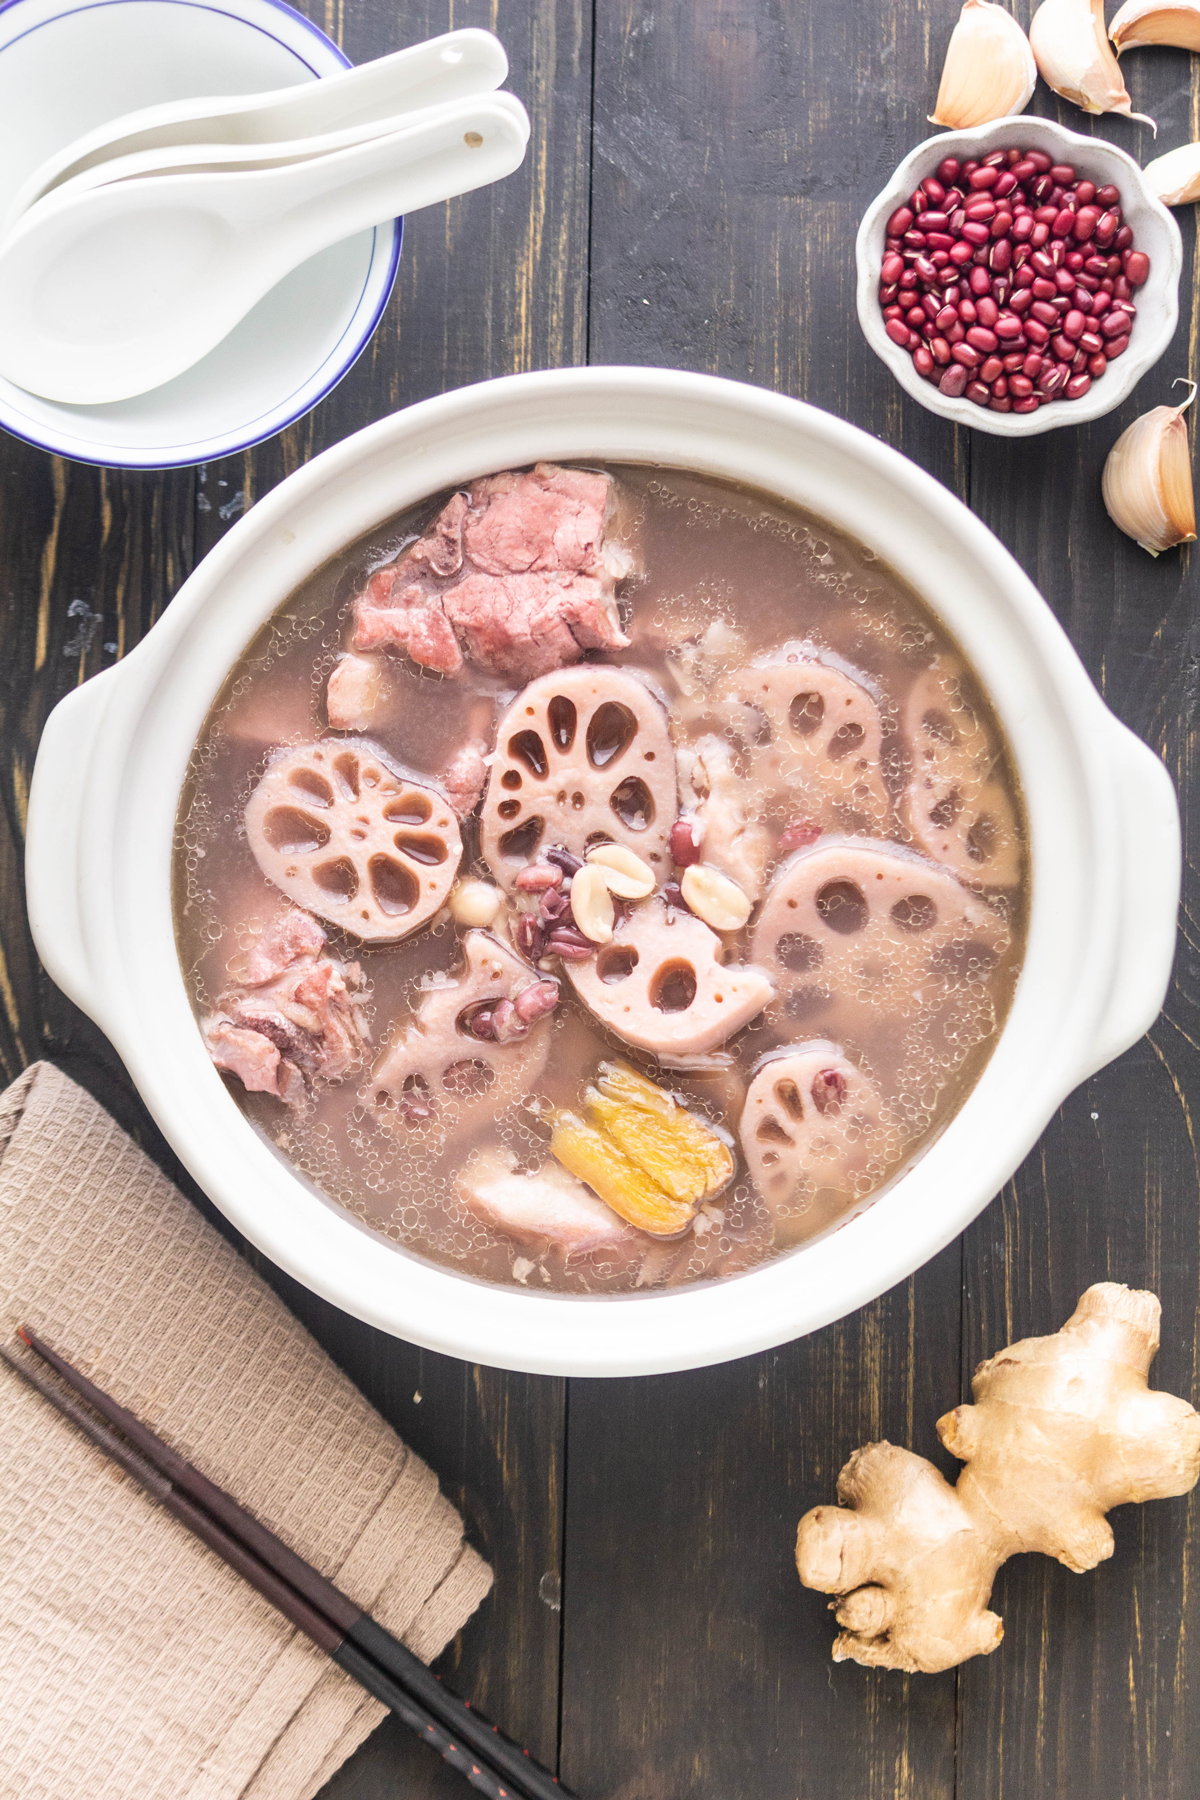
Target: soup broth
(834, 753)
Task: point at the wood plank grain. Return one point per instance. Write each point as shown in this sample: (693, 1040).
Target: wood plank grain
(1092, 1690)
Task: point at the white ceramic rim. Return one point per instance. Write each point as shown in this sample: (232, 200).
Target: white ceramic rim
(302, 37)
(1150, 337)
(1103, 822)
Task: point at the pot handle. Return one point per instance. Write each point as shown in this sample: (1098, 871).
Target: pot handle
(55, 844)
(1150, 852)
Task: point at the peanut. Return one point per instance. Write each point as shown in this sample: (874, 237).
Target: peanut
(592, 903)
(625, 874)
(714, 898)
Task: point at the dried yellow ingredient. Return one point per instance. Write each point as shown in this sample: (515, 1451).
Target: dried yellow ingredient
(591, 1156)
(647, 1156)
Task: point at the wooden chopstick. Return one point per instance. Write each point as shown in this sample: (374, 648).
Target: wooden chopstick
(354, 1640)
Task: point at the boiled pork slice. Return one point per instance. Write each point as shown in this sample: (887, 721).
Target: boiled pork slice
(583, 756)
(811, 1121)
(547, 1207)
(516, 575)
(343, 831)
(465, 778)
(660, 983)
(721, 803)
(872, 923)
(478, 1041)
(295, 1020)
(957, 811)
(814, 740)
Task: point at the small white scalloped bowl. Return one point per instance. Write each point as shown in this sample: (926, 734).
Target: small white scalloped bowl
(1154, 231)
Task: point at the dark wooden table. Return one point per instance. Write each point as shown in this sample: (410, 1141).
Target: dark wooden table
(697, 172)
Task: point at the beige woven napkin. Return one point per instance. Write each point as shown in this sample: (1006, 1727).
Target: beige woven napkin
(133, 1664)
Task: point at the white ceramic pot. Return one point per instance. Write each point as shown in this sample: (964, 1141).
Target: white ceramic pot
(1154, 231)
(1103, 821)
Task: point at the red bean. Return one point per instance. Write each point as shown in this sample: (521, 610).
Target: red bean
(983, 178)
(936, 192)
(1137, 268)
(1043, 289)
(940, 350)
(1023, 170)
(1116, 347)
(1001, 225)
(916, 317)
(975, 233)
(991, 370)
(1085, 193)
(1039, 159)
(934, 221)
(1123, 239)
(1008, 326)
(1063, 348)
(1063, 224)
(1020, 386)
(1044, 312)
(1052, 381)
(897, 330)
(1036, 333)
(1023, 228)
(1074, 261)
(953, 382)
(1108, 195)
(900, 221)
(1115, 323)
(1021, 301)
(1039, 236)
(1063, 173)
(1096, 366)
(1074, 325)
(1000, 256)
(1085, 222)
(999, 386)
(923, 362)
(925, 269)
(979, 281)
(1092, 342)
(1077, 387)
(982, 339)
(948, 170)
(1043, 263)
(891, 269)
(978, 393)
(981, 208)
(1026, 406)
(966, 355)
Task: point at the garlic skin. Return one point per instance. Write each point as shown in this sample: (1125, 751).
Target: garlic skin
(989, 70)
(1075, 58)
(1147, 480)
(1175, 178)
(1151, 22)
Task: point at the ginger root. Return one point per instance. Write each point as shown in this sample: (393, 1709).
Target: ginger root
(1063, 1428)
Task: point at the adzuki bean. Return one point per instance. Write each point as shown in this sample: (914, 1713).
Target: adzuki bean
(1010, 280)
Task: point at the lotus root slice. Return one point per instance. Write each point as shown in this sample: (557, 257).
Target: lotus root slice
(438, 1068)
(661, 985)
(583, 756)
(956, 810)
(815, 741)
(346, 834)
(873, 923)
(811, 1121)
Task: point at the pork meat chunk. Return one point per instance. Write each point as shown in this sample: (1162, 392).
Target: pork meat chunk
(296, 1019)
(464, 778)
(516, 575)
(548, 1206)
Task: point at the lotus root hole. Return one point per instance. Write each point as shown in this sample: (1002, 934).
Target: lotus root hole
(788, 1096)
(395, 888)
(521, 842)
(916, 912)
(511, 779)
(508, 809)
(617, 963)
(799, 953)
(843, 907)
(562, 719)
(943, 815)
(940, 727)
(345, 767)
(846, 738)
(632, 804)
(468, 1078)
(527, 747)
(314, 787)
(410, 809)
(610, 732)
(423, 847)
(770, 1131)
(338, 879)
(805, 713)
(673, 988)
(982, 837)
(294, 833)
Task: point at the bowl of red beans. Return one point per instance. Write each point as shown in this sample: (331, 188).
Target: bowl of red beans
(1018, 276)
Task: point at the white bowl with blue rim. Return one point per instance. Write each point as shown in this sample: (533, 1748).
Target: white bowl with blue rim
(67, 66)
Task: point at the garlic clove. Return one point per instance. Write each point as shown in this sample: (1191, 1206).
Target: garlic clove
(1151, 22)
(1075, 58)
(1147, 481)
(989, 70)
(1175, 178)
